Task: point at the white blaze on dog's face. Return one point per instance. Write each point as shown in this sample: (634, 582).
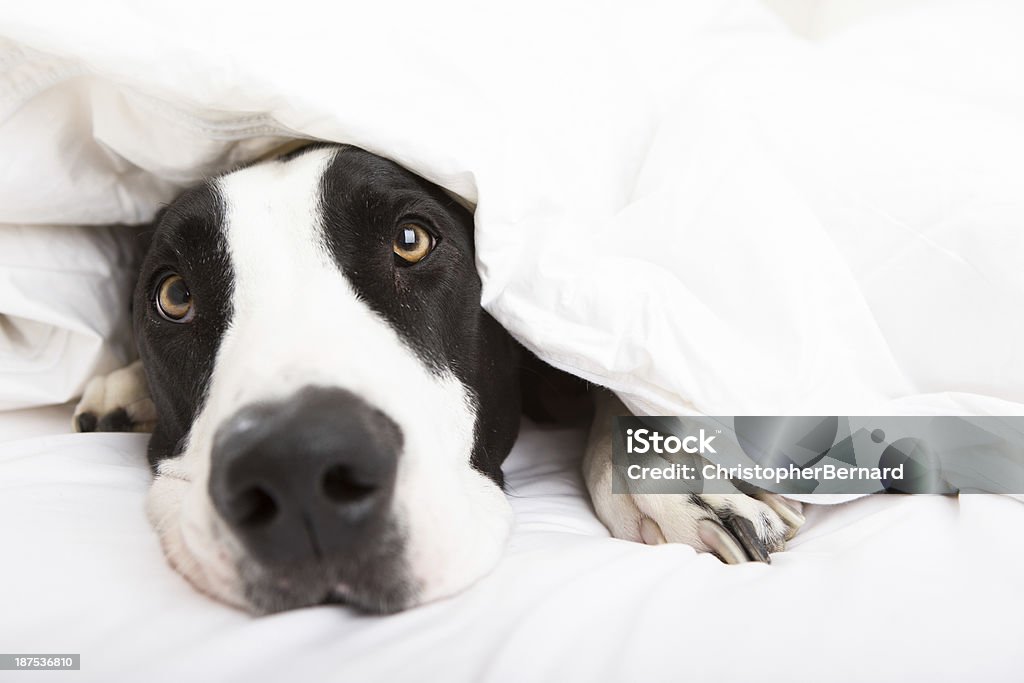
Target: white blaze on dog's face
(333, 404)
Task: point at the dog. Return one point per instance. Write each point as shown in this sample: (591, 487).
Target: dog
(330, 405)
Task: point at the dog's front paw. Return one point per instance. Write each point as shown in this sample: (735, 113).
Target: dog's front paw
(118, 402)
(735, 527)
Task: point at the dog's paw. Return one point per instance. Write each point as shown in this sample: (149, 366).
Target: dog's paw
(118, 402)
(735, 527)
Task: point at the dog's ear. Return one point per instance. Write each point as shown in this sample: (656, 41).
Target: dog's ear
(143, 234)
(553, 396)
(141, 237)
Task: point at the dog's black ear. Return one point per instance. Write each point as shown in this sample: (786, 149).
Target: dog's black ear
(553, 396)
(139, 242)
(142, 236)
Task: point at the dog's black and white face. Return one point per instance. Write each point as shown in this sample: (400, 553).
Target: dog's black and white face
(333, 403)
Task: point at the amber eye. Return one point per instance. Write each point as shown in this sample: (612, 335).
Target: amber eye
(173, 300)
(413, 243)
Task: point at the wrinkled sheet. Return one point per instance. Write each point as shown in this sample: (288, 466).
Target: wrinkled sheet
(683, 201)
(885, 588)
(63, 309)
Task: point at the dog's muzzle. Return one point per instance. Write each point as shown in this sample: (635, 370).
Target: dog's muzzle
(306, 487)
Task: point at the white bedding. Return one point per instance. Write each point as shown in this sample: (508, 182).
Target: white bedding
(885, 588)
(680, 200)
(755, 189)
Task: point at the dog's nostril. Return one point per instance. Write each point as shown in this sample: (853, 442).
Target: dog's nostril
(341, 486)
(254, 507)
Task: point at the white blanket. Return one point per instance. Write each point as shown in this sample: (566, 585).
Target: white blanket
(680, 200)
(919, 588)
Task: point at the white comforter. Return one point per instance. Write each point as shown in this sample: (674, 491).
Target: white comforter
(681, 200)
(919, 588)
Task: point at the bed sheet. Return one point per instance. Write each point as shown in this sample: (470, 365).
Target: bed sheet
(884, 588)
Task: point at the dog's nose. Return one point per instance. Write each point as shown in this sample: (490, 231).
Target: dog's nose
(307, 477)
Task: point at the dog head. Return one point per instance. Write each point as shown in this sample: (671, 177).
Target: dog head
(333, 403)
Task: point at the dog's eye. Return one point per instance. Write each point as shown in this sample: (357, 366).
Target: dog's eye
(173, 300)
(413, 243)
